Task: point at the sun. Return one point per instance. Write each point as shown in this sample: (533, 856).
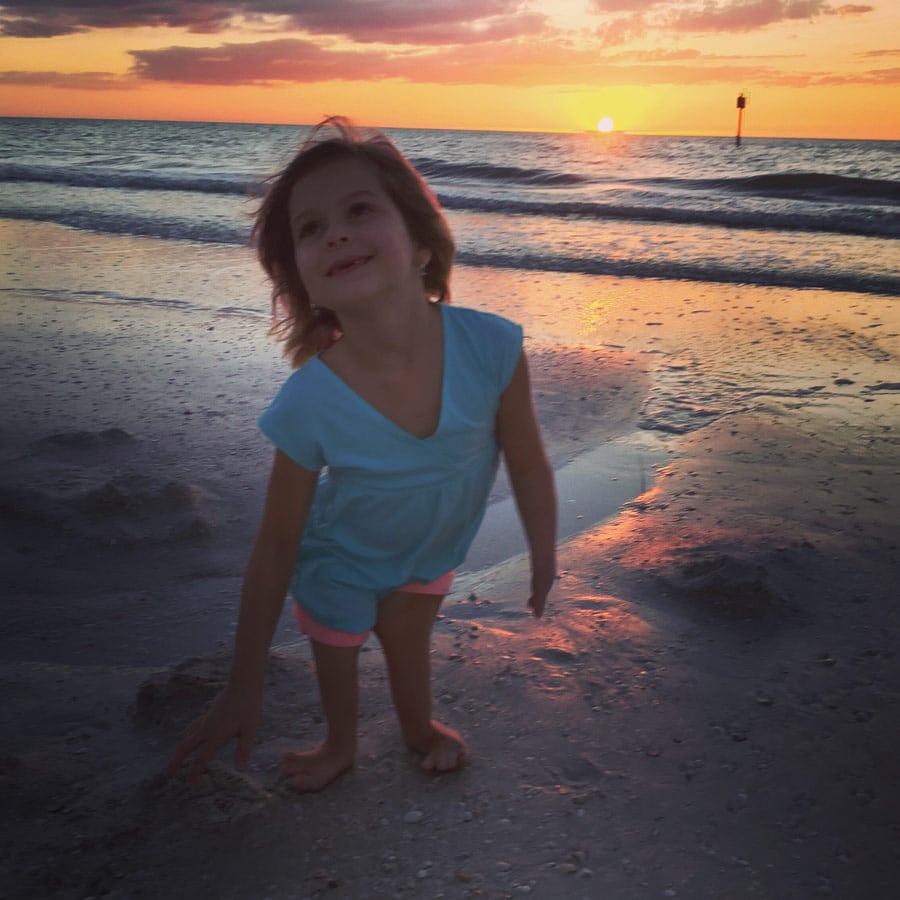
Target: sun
(605, 124)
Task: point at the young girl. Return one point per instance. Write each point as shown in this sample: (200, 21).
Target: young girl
(387, 436)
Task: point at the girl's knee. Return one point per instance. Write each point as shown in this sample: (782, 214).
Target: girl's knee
(406, 615)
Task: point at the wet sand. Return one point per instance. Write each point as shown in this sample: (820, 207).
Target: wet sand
(707, 710)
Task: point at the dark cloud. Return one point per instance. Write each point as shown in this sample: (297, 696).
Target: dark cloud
(366, 21)
(51, 18)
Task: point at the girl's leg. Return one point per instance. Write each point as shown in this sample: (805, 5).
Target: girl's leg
(404, 629)
(336, 670)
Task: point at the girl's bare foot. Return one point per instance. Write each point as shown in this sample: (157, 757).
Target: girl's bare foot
(442, 749)
(315, 769)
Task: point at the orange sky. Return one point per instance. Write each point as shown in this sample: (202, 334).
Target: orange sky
(810, 68)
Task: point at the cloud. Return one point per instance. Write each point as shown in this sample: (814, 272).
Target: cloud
(434, 33)
(52, 18)
(297, 61)
(616, 6)
(304, 61)
(880, 77)
(634, 19)
(850, 9)
(366, 21)
(82, 81)
(622, 30)
(746, 15)
(867, 53)
(419, 21)
(264, 62)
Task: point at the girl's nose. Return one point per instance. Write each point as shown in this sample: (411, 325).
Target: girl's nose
(334, 241)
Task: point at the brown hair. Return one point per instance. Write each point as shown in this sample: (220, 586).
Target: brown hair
(304, 328)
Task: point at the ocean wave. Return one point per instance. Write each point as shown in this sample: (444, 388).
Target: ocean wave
(175, 229)
(851, 282)
(814, 186)
(662, 200)
(863, 222)
(741, 271)
(102, 177)
(438, 169)
(243, 185)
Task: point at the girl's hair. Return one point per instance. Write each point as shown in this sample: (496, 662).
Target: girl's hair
(307, 329)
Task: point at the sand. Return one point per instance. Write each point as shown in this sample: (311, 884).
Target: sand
(708, 709)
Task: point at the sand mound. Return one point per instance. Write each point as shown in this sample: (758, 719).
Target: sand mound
(84, 489)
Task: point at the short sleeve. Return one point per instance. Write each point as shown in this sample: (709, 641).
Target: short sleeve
(289, 423)
(490, 342)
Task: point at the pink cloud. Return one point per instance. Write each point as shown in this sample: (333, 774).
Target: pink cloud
(553, 63)
(622, 30)
(615, 6)
(873, 77)
(894, 52)
(304, 61)
(746, 16)
(90, 81)
(287, 60)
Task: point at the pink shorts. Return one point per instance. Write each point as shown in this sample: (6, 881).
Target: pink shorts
(334, 638)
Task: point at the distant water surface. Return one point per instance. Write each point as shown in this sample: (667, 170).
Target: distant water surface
(793, 213)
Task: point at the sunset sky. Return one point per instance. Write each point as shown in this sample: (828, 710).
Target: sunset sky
(809, 68)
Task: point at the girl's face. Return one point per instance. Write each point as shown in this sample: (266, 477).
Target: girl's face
(351, 244)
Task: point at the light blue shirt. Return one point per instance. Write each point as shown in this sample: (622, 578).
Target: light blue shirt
(390, 507)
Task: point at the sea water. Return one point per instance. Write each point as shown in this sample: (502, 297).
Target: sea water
(791, 213)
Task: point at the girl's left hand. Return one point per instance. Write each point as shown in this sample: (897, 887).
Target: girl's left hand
(537, 603)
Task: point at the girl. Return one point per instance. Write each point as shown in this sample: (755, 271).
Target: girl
(387, 437)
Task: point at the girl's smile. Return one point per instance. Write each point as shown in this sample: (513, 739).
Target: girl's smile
(342, 266)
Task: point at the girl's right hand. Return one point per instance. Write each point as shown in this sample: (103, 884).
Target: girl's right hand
(230, 715)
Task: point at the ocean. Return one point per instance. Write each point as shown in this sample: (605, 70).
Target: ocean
(790, 213)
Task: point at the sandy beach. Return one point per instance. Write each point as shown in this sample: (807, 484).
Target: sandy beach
(708, 709)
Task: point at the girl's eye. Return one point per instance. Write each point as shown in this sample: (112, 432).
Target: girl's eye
(360, 208)
(307, 230)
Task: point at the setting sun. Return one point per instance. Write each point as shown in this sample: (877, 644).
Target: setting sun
(605, 125)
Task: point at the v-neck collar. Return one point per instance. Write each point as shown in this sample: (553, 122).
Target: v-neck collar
(374, 409)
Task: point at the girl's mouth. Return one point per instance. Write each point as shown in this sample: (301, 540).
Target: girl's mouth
(342, 266)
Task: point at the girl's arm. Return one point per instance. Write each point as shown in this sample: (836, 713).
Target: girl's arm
(532, 481)
(237, 710)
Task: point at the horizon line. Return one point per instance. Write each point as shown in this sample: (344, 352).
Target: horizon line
(601, 135)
